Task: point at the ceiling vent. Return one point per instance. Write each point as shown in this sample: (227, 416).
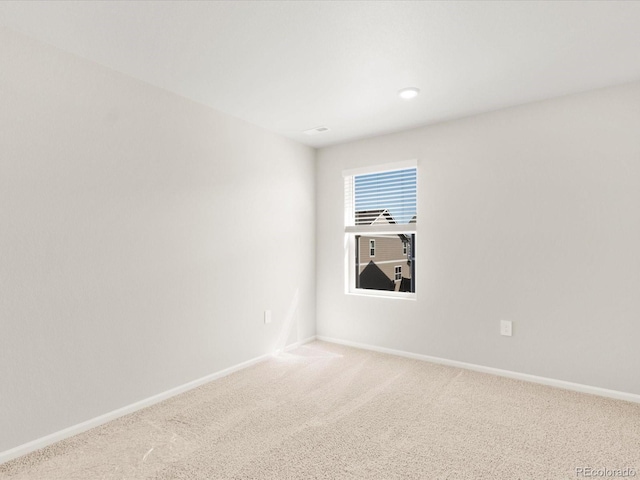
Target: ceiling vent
(317, 130)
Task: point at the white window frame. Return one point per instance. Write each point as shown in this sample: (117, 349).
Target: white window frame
(396, 273)
(351, 231)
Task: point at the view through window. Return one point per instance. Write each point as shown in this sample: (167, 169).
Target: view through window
(381, 222)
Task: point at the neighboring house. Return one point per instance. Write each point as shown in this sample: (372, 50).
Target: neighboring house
(383, 260)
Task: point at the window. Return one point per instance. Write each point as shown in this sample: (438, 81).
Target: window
(380, 230)
(398, 273)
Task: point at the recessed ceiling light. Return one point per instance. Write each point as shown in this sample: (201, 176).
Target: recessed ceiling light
(408, 93)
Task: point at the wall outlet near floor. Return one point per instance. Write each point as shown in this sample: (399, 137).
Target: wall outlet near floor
(506, 327)
(267, 316)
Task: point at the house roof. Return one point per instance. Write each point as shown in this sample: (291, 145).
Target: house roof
(372, 277)
(369, 217)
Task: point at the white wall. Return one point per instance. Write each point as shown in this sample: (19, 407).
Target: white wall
(530, 214)
(141, 237)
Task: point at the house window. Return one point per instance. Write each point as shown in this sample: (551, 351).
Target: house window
(380, 230)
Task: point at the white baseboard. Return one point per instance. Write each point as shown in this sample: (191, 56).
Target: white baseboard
(120, 412)
(577, 387)
(299, 343)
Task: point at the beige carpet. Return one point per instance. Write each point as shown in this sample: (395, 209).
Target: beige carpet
(333, 412)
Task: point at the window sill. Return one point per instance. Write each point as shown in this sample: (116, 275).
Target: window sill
(382, 294)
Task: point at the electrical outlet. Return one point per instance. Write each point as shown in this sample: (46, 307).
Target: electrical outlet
(506, 327)
(267, 316)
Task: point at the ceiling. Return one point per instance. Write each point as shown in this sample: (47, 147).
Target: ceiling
(293, 66)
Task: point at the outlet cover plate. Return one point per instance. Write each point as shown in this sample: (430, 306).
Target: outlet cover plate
(506, 328)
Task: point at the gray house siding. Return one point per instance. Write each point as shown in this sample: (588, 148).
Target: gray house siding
(389, 253)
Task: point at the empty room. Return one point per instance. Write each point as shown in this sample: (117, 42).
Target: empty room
(319, 240)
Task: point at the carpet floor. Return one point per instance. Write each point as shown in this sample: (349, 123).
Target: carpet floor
(326, 411)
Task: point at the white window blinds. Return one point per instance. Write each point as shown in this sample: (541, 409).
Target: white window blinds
(381, 201)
